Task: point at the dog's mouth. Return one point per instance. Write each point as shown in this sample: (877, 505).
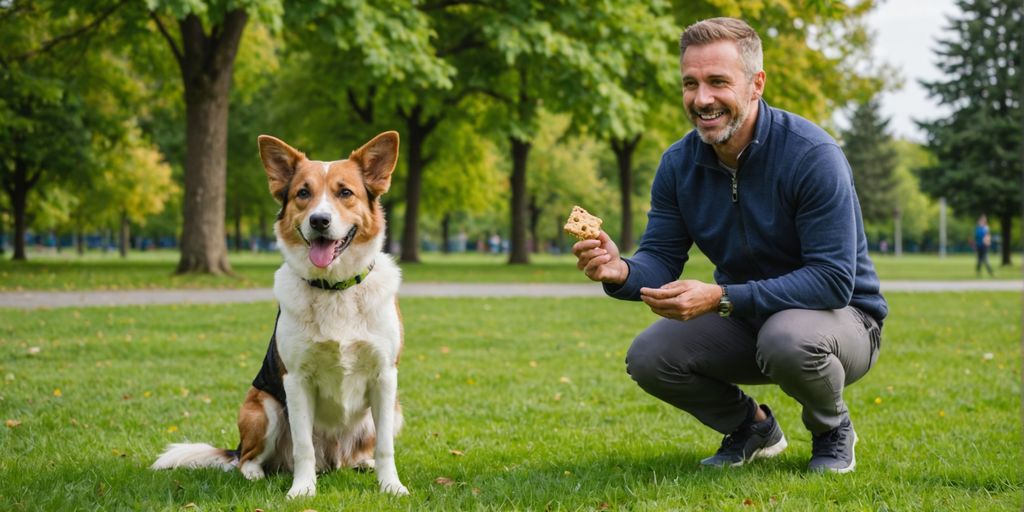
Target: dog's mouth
(323, 251)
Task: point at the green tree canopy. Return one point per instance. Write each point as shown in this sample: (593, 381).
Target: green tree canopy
(868, 147)
(978, 146)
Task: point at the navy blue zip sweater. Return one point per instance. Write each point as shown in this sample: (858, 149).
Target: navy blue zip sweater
(786, 233)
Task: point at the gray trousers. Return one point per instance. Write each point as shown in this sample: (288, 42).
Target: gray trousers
(812, 355)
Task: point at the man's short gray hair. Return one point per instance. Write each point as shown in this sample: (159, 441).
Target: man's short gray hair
(726, 29)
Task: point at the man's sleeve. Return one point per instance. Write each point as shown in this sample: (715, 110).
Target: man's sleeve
(665, 243)
(826, 226)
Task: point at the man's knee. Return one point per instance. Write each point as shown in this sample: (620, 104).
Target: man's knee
(787, 342)
(644, 360)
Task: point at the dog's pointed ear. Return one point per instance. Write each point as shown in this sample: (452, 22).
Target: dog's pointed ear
(377, 159)
(280, 161)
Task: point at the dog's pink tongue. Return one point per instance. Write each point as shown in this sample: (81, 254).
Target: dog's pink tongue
(321, 252)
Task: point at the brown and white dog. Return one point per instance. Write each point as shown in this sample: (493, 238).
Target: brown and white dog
(326, 396)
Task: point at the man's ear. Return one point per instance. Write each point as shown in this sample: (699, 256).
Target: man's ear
(759, 81)
(377, 159)
(280, 161)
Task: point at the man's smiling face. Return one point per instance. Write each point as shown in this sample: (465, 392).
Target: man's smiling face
(717, 92)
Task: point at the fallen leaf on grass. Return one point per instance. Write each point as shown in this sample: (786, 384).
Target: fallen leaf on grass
(172, 429)
(445, 481)
(564, 380)
(604, 506)
(33, 350)
(12, 423)
(457, 453)
(748, 502)
(57, 393)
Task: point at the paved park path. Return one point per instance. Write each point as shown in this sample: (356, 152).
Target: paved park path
(48, 299)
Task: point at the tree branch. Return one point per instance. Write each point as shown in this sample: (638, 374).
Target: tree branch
(365, 112)
(167, 35)
(49, 45)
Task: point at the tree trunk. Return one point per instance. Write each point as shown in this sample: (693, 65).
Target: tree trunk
(388, 237)
(125, 234)
(897, 219)
(518, 251)
(624, 149)
(417, 131)
(535, 211)
(446, 224)
(17, 191)
(238, 229)
(1006, 226)
(207, 64)
(263, 233)
(560, 236)
(80, 243)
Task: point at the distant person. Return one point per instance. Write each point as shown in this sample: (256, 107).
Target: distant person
(884, 246)
(982, 241)
(768, 197)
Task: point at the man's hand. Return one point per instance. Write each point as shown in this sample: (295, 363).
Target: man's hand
(599, 260)
(682, 300)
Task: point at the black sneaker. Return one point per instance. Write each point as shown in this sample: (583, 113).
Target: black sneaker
(832, 451)
(759, 440)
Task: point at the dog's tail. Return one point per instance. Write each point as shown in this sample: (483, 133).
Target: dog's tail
(196, 455)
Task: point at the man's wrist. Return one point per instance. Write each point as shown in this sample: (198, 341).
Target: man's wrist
(724, 304)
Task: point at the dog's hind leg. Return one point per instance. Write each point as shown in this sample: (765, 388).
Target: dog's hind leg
(357, 445)
(260, 424)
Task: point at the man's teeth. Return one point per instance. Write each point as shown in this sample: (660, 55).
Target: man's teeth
(711, 115)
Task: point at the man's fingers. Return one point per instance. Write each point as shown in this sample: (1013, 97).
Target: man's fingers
(585, 245)
(659, 293)
(594, 264)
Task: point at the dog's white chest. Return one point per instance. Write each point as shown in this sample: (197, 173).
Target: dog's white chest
(340, 375)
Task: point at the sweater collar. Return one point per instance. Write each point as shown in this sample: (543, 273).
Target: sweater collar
(706, 155)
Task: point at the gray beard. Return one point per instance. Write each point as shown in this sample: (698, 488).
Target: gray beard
(730, 129)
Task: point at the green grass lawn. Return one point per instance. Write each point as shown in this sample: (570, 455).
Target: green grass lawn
(522, 404)
(154, 270)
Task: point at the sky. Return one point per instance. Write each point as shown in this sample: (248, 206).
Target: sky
(905, 35)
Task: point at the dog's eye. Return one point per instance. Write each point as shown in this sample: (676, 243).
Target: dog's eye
(303, 193)
(345, 193)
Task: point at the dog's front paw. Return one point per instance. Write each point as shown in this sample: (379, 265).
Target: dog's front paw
(395, 488)
(302, 490)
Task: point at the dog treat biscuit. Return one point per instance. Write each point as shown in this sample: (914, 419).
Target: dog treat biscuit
(582, 224)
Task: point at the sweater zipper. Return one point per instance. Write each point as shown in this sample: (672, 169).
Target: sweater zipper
(739, 218)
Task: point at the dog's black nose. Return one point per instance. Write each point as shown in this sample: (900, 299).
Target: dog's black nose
(320, 221)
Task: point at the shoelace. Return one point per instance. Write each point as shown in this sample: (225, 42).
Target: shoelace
(734, 439)
(827, 444)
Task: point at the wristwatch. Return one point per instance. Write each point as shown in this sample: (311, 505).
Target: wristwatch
(724, 304)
